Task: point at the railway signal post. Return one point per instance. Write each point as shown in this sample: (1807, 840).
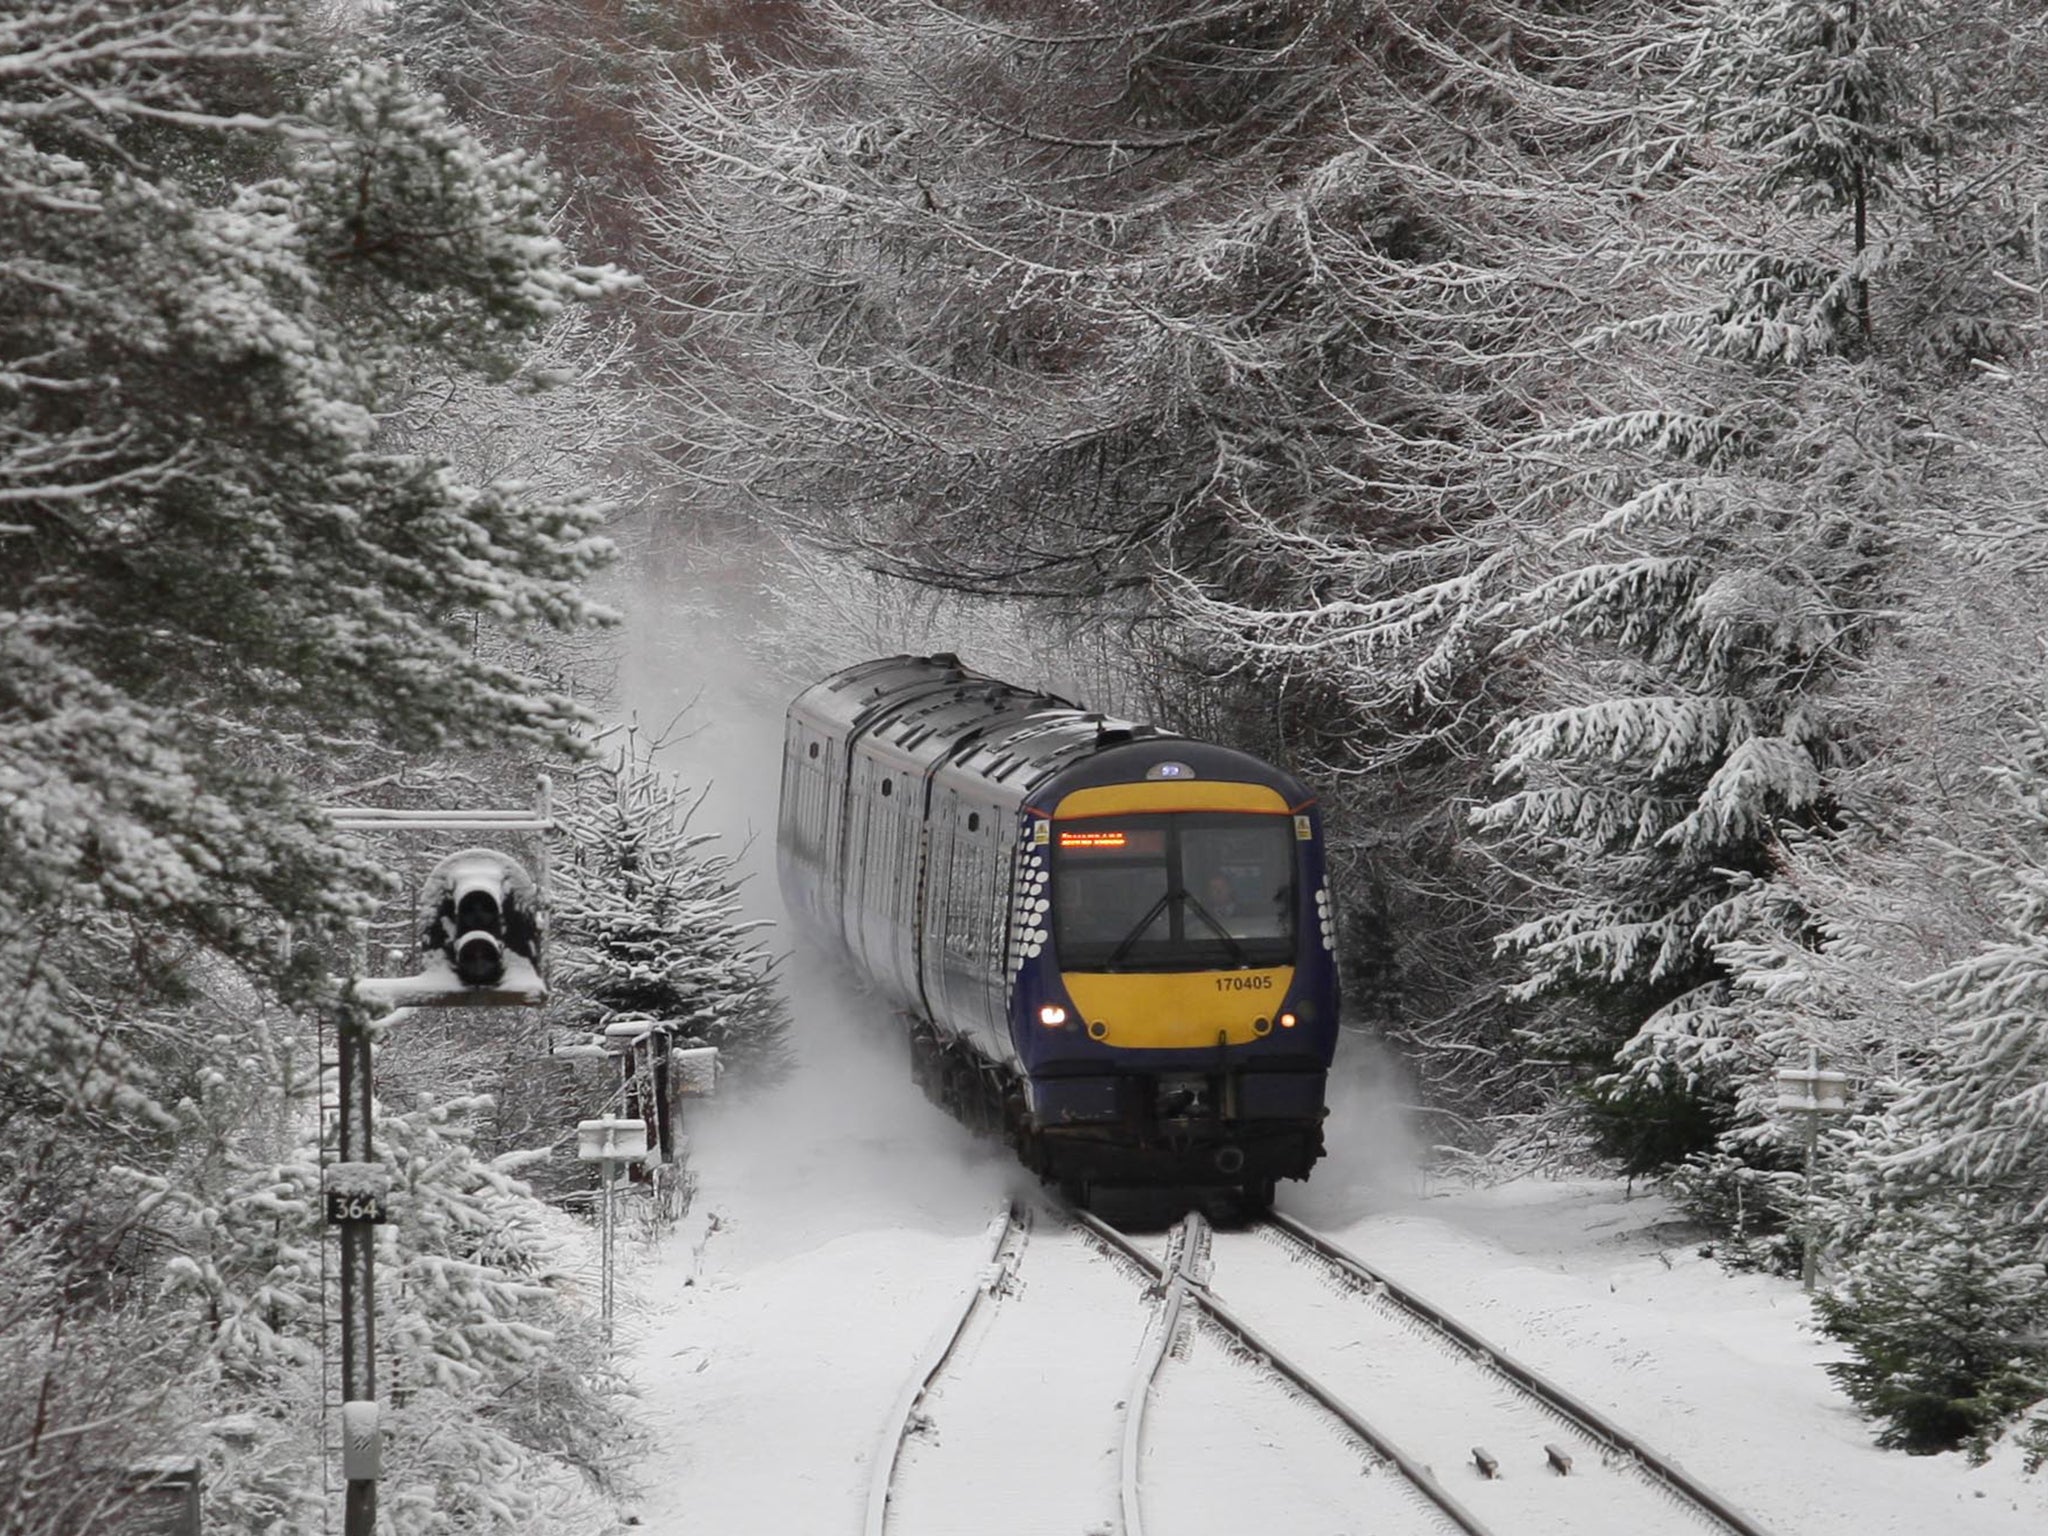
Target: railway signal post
(480, 948)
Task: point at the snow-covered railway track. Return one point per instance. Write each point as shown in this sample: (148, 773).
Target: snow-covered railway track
(1179, 1274)
(1011, 1418)
(1007, 1233)
(1540, 1460)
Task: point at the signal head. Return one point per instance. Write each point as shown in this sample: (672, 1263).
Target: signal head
(480, 914)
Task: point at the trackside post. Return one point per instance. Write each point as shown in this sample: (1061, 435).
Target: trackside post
(480, 947)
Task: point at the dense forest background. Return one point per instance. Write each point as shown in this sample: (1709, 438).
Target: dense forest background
(1599, 442)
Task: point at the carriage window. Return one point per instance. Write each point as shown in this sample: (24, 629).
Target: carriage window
(1193, 891)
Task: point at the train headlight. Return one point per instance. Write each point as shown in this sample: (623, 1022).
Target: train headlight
(1052, 1015)
(1289, 1020)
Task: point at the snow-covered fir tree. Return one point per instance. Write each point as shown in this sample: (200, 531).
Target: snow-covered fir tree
(225, 247)
(1942, 1205)
(646, 922)
(1725, 574)
(1873, 119)
(1822, 91)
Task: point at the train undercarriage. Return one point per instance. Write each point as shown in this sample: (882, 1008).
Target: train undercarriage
(1194, 1130)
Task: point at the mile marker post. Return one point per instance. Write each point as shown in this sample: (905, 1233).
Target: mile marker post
(356, 1189)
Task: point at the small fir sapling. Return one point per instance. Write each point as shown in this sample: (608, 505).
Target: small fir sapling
(1938, 1305)
(647, 922)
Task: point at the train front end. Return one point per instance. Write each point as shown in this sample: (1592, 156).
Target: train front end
(1174, 993)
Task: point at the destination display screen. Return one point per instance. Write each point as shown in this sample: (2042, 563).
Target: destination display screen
(1139, 842)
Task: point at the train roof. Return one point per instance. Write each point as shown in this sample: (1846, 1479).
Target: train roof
(850, 702)
(932, 710)
(919, 710)
(1179, 758)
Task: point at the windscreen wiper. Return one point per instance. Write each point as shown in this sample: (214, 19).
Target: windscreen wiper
(1138, 932)
(1229, 939)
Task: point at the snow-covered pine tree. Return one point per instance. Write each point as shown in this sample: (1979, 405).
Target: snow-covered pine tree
(223, 244)
(1944, 1298)
(204, 529)
(645, 917)
(1742, 542)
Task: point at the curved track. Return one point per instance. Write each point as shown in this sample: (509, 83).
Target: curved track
(1185, 1265)
(1013, 1414)
(1572, 1469)
(1417, 1476)
(1007, 1234)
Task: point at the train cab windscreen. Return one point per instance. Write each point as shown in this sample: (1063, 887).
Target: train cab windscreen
(1187, 891)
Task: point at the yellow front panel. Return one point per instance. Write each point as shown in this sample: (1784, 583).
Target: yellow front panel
(1170, 795)
(1175, 1010)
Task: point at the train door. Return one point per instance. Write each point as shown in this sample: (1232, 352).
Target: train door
(807, 840)
(934, 921)
(860, 849)
(831, 784)
(882, 850)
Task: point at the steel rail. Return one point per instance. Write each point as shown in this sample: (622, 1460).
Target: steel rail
(1184, 1258)
(1553, 1397)
(1418, 1476)
(882, 1483)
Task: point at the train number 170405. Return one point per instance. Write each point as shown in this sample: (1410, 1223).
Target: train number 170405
(1244, 983)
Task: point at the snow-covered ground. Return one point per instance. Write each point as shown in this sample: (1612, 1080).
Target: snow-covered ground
(839, 1219)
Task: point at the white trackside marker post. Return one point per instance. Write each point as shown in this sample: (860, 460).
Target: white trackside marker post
(1813, 1093)
(609, 1143)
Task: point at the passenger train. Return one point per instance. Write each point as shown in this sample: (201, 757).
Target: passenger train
(1113, 945)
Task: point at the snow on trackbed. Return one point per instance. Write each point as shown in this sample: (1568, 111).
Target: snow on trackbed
(838, 1219)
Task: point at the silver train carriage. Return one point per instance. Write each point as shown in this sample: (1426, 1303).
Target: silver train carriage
(1114, 945)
